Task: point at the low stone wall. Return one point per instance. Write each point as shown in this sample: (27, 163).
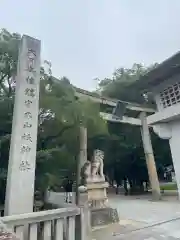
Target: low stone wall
(58, 198)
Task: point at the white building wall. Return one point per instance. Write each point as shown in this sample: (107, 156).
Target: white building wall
(166, 122)
(156, 90)
(174, 142)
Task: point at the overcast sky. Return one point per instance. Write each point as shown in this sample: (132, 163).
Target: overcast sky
(85, 39)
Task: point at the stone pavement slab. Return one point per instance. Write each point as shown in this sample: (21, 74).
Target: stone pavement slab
(145, 235)
(143, 220)
(136, 231)
(111, 231)
(168, 230)
(144, 210)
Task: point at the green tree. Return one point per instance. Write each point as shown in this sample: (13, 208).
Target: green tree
(124, 151)
(118, 85)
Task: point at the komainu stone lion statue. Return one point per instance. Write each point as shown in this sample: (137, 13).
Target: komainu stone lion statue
(93, 171)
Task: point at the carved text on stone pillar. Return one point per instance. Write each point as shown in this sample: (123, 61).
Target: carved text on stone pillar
(24, 166)
(27, 125)
(30, 80)
(31, 60)
(28, 103)
(25, 149)
(28, 115)
(27, 137)
(30, 92)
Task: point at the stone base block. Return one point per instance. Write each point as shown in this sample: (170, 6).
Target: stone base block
(97, 194)
(103, 216)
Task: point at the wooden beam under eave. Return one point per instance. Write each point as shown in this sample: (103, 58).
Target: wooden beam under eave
(129, 120)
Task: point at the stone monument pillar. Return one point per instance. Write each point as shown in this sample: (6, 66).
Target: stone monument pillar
(22, 158)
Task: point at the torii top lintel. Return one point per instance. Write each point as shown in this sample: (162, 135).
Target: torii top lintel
(111, 101)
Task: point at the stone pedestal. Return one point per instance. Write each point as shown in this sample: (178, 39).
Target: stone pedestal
(103, 216)
(101, 212)
(97, 194)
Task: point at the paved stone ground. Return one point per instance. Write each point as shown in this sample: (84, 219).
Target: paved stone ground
(145, 210)
(140, 218)
(165, 231)
(131, 233)
(145, 219)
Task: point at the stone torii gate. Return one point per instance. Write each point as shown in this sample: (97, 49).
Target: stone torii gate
(140, 121)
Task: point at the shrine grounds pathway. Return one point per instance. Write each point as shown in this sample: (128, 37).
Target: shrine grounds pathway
(141, 218)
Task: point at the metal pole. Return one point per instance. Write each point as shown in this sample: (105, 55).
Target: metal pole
(149, 155)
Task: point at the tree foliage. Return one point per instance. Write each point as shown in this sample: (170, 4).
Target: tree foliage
(118, 85)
